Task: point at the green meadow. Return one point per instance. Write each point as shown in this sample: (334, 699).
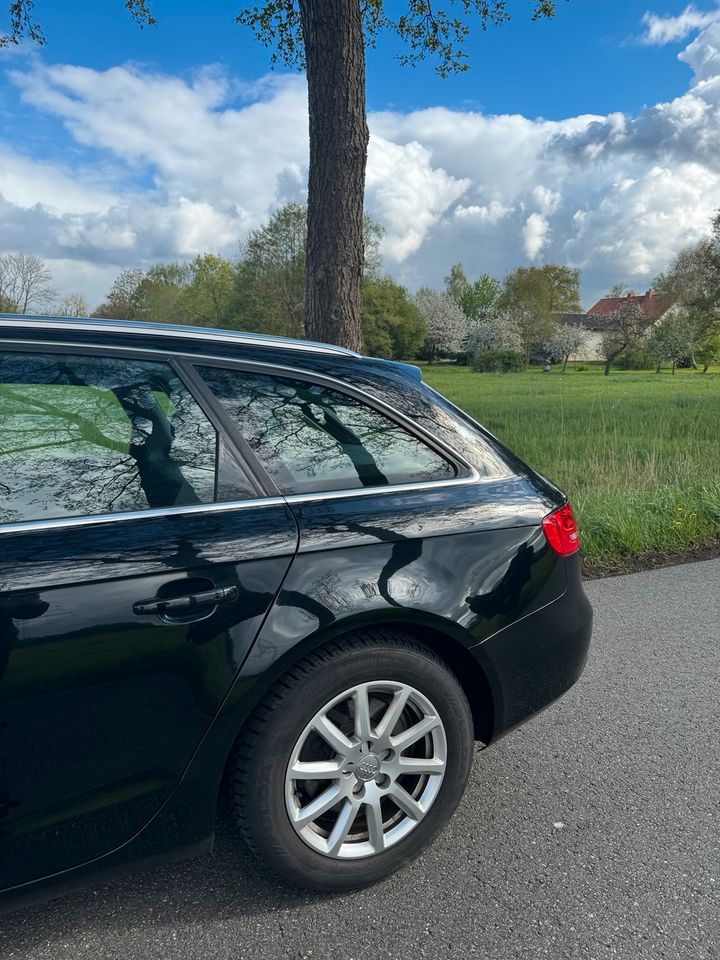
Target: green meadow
(637, 452)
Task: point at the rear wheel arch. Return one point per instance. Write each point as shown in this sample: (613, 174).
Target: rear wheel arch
(471, 675)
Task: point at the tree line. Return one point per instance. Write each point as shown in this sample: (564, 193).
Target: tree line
(263, 290)
(493, 323)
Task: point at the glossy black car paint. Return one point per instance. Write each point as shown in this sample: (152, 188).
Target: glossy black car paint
(115, 730)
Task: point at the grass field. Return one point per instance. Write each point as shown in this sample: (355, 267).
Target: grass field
(638, 453)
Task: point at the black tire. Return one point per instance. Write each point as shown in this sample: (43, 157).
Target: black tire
(259, 764)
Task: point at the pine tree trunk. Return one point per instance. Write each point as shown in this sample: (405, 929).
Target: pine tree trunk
(335, 57)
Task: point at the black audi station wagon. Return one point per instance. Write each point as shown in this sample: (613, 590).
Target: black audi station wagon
(262, 568)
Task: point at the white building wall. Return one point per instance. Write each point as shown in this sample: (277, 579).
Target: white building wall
(591, 350)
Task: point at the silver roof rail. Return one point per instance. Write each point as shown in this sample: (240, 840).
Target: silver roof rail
(179, 331)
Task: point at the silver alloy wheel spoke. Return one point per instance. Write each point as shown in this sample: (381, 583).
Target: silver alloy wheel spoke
(344, 822)
(408, 737)
(416, 765)
(316, 770)
(332, 735)
(393, 712)
(405, 802)
(321, 804)
(354, 787)
(363, 729)
(373, 812)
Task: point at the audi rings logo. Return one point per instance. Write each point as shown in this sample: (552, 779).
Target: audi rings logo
(367, 768)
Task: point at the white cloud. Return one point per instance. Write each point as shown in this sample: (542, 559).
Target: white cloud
(30, 181)
(407, 194)
(536, 234)
(192, 137)
(547, 200)
(661, 30)
(703, 54)
(160, 167)
(493, 212)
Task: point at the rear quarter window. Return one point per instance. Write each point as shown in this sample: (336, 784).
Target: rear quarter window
(431, 411)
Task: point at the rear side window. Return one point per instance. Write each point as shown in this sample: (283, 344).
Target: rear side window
(85, 435)
(312, 438)
(439, 418)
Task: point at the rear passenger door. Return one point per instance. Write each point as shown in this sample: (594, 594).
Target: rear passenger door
(138, 559)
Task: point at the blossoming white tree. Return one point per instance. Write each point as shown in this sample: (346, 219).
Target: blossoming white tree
(563, 342)
(497, 332)
(445, 322)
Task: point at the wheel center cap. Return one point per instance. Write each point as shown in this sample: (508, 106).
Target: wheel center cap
(367, 767)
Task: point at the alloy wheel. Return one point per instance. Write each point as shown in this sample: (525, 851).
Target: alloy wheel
(366, 769)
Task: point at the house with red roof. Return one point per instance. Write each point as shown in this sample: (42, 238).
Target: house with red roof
(598, 319)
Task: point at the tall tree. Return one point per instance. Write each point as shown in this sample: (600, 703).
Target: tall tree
(533, 296)
(476, 298)
(480, 298)
(159, 295)
(328, 38)
(269, 289)
(207, 298)
(122, 301)
(25, 283)
(392, 326)
(269, 293)
(335, 62)
(154, 296)
(456, 283)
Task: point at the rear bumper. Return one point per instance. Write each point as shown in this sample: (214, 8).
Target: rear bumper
(537, 659)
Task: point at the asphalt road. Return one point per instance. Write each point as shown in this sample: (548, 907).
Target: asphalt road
(590, 833)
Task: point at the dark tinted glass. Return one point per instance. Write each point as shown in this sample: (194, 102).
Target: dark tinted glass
(312, 438)
(91, 435)
(438, 417)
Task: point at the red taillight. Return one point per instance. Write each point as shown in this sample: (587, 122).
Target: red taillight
(561, 531)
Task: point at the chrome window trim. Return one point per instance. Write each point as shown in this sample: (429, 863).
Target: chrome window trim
(150, 514)
(175, 331)
(471, 480)
(22, 526)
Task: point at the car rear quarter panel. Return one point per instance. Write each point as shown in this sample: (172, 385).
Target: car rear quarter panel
(465, 560)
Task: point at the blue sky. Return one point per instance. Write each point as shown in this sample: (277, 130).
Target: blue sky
(592, 139)
(585, 60)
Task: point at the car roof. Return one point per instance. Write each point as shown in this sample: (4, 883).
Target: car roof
(311, 354)
(171, 331)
